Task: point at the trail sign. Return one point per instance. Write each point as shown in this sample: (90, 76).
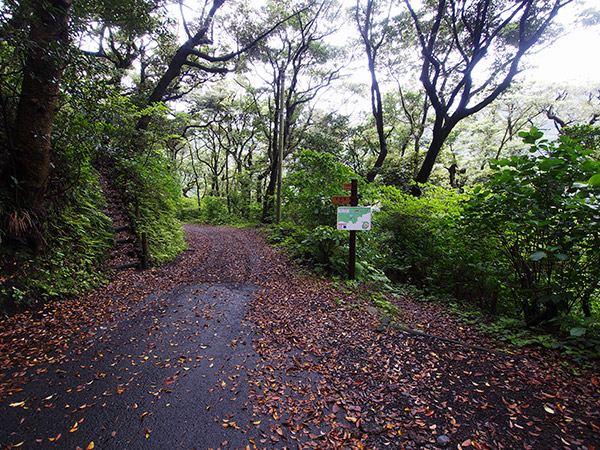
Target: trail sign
(340, 200)
(351, 217)
(354, 218)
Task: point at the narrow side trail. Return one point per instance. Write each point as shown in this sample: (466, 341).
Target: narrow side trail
(227, 347)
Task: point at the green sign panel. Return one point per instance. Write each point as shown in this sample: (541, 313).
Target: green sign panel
(354, 218)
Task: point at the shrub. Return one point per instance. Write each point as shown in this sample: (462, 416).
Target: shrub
(77, 235)
(326, 248)
(541, 215)
(189, 211)
(213, 210)
(426, 245)
(155, 194)
(313, 179)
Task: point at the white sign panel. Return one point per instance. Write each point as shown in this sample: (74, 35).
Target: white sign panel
(354, 218)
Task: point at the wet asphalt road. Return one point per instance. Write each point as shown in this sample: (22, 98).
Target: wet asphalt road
(172, 375)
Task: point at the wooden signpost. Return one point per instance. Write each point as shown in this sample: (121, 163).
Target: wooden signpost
(352, 218)
(352, 201)
(352, 255)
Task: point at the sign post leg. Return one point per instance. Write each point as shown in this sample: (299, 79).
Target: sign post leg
(352, 259)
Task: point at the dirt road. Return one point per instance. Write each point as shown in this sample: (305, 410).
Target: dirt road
(226, 347)
(171, 373)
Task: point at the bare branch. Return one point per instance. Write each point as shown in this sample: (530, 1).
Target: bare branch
(185, 25)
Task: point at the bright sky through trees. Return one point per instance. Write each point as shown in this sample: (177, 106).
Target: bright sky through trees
(570, 59)
(573, 57)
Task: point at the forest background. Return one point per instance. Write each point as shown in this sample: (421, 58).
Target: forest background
(229, 113)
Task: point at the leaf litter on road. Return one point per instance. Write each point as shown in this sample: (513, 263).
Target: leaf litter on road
(326, 377)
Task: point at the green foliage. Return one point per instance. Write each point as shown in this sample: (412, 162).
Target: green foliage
(308, 188)
(310, 235)
(283, 233)
(587, 135)
(425, 245)
(189, 211)
(95, 121)
(584, 350)
(213, 210)
(324, 247)
(328, 136)
(382, 303)
(132, 16)
(78, 236)
(165, 235)
(581, 343)
(106, 130)
(155, 193)
(398, 172)
(541, 215)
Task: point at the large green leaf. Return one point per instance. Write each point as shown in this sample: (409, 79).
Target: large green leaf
(577, 331)
(549, 163)
(536, 256)
(595, 180)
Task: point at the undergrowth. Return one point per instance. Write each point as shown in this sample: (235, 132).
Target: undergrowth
(77, 237)
(155, 196)
(577, 339)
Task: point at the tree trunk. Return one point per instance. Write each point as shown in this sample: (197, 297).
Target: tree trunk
(439, 137)
(37, 109)
(450, 61)
(372, 46)
(452, 174)
(585, 298)
(268, 211)
(173, 72)
(227, 193)
(270, 191)
(378, 115)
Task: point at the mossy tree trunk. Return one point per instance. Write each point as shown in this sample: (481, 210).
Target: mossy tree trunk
(36, 111)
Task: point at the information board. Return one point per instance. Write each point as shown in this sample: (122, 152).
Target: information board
(354, 218)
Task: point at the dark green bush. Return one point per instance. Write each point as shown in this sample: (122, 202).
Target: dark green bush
(540, 214)
(155, 195)
(313, 179)
(189, 211)
(427, 246)
(213, 210)
(313, 237)
(77, 237)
